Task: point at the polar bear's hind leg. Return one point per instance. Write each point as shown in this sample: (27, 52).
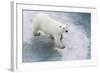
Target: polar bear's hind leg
(35, 32)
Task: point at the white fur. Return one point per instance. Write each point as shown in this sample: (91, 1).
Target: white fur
(43, 22)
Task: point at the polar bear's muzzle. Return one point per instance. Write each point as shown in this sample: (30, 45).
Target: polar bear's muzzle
(62, 47)
(66, 31)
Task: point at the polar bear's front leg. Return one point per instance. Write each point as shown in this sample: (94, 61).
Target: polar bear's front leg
(35, 32)
(58, 41)
(62, 40)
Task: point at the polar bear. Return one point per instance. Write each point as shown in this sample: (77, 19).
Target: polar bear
(43, 22)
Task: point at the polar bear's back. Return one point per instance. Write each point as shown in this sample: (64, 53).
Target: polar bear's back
(45, 23)
(42, 17)
(44, 20)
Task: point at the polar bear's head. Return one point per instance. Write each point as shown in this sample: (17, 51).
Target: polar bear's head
(63, 28)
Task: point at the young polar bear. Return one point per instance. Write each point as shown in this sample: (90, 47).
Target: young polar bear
(43, 22)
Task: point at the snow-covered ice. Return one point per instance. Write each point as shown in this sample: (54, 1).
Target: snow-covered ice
(77, 40)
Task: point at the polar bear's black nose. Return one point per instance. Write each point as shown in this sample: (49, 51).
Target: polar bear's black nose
(66, 30)
(62, 47)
